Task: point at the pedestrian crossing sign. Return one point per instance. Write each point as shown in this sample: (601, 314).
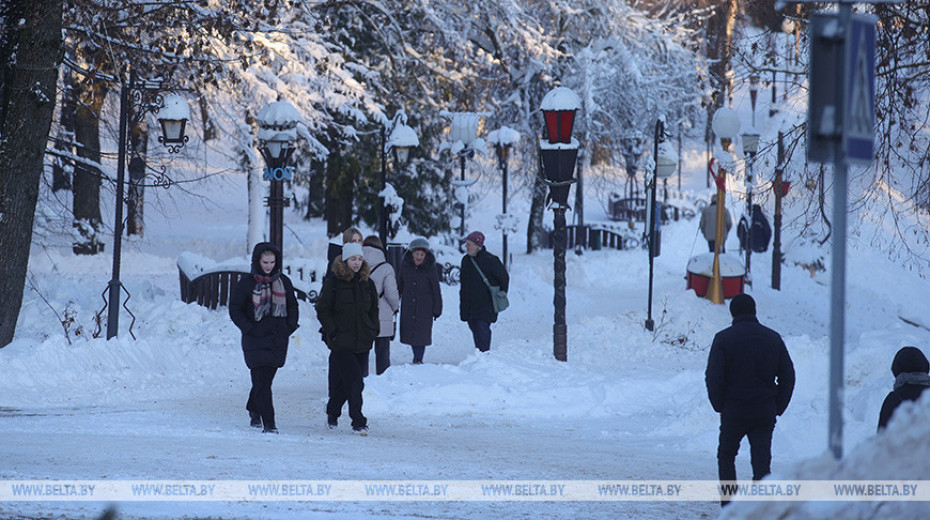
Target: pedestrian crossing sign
(859, 90)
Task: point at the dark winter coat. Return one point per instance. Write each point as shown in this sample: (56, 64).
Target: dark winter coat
(910, 368)
(420, 299)
(749, 372)
(264, 343)
(474, 295)
(348, 308)
(382, 274)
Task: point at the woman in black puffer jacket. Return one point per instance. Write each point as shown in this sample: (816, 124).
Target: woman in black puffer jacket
(264, 307)
(348, 311)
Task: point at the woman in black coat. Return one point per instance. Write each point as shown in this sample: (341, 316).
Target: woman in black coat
(348, 312)
(264, 307)
(420, 298)
(475, 305)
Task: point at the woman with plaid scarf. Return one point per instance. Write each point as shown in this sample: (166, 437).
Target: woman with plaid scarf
(264, 307)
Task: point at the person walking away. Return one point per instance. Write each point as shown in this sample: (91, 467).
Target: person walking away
(911, 377)
(348, 312)
(421, 299)
(750, 379)
(708, 224)
(382, 274)
(264, 307)
(475, 305)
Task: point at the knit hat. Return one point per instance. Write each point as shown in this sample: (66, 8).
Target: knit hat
(742, 304)
(476, 237)
(909, 359)
(418, 243)
(351, 249)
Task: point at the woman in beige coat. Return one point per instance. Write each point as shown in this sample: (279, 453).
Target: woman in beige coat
(382, 274)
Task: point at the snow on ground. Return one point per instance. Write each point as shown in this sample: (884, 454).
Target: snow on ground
(629, 404)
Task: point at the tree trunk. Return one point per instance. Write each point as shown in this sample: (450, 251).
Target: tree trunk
(62, 168)
(534, 227)
(135, 193)
(340, 191)
(28, 102)
(209, 129)
(87, 173)
(719, 48)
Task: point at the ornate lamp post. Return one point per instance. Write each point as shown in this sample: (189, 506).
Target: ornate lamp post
(138, 98)
(559, 151)
(276, 133)
(396, 136)
(503, 140)
(780, 185)
(464, 139)
(750, 148)
(726, 125)
(665, 165)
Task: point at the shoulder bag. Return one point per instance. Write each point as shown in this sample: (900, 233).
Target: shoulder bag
(498, 297)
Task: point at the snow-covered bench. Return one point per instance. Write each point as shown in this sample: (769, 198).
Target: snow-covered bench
(209, 283)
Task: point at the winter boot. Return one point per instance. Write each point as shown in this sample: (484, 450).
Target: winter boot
(255, 420)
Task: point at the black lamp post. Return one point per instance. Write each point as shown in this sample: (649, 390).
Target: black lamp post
(396, 136)
(503, 139)
(559, 151)
(750, 148)
(138, 98)
(277, 152)
(277, 132)
(665, 165)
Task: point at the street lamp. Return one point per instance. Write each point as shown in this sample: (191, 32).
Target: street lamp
(750, 148)
(726, 125)
(753, 94)
(559, 151)
(396, 136)
(503, 140)
(276, 133)
(464, 140)
(780, 186)
(665, 164)
(138, 98)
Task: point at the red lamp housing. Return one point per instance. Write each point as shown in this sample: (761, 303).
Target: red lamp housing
(559, 125)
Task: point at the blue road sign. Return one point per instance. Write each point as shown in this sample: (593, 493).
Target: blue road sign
(859, 90)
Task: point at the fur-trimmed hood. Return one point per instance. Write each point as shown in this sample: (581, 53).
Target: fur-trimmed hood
(341, 270)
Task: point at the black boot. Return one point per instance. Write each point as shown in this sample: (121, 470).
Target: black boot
(255, 420)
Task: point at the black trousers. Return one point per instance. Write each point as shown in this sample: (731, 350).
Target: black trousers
(260, 399)
(382, 354)
(481, 332)
(732, 430)
(346, 385)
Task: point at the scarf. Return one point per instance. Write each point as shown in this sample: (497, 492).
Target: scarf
(911, 378)
(268, 296)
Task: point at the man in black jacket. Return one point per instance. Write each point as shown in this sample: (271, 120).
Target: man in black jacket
(475, 305)
(749, 379)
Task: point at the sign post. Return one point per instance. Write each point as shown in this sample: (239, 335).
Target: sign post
(840, 129)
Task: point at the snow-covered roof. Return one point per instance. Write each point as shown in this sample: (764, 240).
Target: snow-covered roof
(175, 108)
(403, 136)
(277, 118)
(504, 136)
(560, 98)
